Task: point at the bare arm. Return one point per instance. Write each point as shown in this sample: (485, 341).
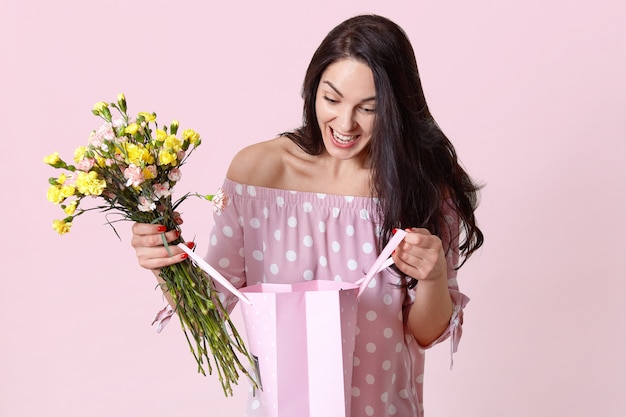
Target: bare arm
(422, 257)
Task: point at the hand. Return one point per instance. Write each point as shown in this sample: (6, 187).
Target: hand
(148, 244)
(420, 255)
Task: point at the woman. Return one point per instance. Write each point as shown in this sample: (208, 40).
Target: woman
(320, 203)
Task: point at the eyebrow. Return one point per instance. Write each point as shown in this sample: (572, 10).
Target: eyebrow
(341, 95)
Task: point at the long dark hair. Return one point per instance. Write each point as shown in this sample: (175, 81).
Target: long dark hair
(414, 165)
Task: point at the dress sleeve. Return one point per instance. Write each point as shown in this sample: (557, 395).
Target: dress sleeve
(450, 238)
(226, 244)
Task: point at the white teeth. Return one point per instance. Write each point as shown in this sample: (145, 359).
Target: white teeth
(343, 138)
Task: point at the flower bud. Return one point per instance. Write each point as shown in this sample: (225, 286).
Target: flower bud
(121, 102)
(174, 127)
(97, 108)
(102, 109)
(52, 159)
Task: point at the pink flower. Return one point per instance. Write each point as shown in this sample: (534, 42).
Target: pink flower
(134, 176)
(145, 204)
(85, 164)
(175, 175)
(220, 200)
(95, 140)
(71, 179)
(161, 190)
(118, 122)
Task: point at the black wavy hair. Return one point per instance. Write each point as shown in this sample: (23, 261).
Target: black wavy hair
(414, 165)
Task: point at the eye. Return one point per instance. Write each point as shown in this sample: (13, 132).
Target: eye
(330, 100)
(368, 110)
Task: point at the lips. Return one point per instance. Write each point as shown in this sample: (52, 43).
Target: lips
(344, 140)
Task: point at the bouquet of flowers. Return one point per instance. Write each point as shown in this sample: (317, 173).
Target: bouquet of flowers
(131, 167)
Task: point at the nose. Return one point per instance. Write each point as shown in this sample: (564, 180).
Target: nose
(346, 120)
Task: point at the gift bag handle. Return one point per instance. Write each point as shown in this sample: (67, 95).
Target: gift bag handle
(383, 261)
(214, 274)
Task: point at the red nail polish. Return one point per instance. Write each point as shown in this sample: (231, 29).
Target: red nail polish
(161, 229)
(395, 229)
(183, 256)
(190, 245)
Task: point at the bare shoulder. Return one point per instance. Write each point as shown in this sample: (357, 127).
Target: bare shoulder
(262, 163)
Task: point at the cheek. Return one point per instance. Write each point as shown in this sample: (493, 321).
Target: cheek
(368, 125)
(322, 112)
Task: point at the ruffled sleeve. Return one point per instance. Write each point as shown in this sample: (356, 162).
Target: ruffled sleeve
(450, 238)
(226, 246)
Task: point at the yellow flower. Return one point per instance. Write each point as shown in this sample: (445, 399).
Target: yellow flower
(54, 194)
(61, 226)
(88, 183)
(149, 172)
(167, 157)
(172, 143)
(68, 191)
(149, 117)
(61, 179)
(133, 155)
(71, 208)
(100, 161)
(99, 107)
(131, 129)
(79, 153)
(192, 136)
(138, 155)
(52, 159)
(161, 135)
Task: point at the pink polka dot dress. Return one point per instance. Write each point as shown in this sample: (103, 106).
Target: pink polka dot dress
(267, 235)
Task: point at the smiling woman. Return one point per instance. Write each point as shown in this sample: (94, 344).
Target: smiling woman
(321, 202)
(346, 119)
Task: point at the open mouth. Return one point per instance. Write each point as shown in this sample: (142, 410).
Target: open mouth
(344, 139)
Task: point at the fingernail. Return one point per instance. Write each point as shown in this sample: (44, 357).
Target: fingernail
(190, 245)
(161, 229)
(177, 233)
(183, 256)
(395, 229)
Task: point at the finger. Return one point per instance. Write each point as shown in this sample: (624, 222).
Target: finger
(161, 262)
(419, 230)
(159, 257)
(147, 229)
(422, 238)
(151, 240)
(418, 255)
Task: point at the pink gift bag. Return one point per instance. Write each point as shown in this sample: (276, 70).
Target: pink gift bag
(303, 336)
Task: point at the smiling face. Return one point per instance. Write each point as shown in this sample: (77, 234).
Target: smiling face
(345, 105)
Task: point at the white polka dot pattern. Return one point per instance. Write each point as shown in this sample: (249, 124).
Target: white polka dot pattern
(290, 237)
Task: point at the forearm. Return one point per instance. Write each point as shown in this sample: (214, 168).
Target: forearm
(430, 314)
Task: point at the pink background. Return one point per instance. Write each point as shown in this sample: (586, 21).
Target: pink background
(532, 93)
